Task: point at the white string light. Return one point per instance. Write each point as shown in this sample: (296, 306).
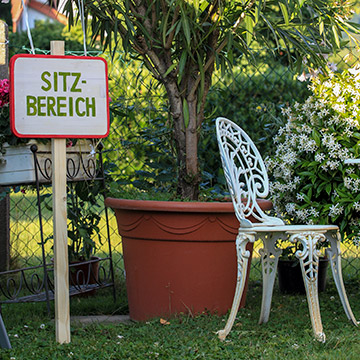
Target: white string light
(82, 17)
(28, 27)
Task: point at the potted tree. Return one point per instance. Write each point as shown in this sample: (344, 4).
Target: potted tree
(181, 42)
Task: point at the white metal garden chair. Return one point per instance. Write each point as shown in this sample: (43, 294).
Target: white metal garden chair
(247, 180)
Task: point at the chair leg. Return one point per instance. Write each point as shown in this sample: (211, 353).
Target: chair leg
(334, 254)
(269, 260)
(309, 262)
(242, 264)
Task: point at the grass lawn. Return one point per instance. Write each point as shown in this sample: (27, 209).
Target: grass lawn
(288, 334)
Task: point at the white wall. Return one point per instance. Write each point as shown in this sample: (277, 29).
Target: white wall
(32, 16)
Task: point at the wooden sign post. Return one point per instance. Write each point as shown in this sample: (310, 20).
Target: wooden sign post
(61, 270)
(61, 97)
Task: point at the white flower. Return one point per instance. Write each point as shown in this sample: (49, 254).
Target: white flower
(335, 210)
(303, 77)
(324, 112)
(314, 212)
(356, 205)
(300, 197)
(354, 222)
(324, 167)
(320, 157)
(333, 164)
(302, 214)
(92, 152)
(332, 66)
(355, 71)
(42, 326)
(290, 208)
(356, 240)
(288, 158)
(337, 90)
(341, 108)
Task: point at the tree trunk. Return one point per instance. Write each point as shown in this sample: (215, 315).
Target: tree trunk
(186, 143)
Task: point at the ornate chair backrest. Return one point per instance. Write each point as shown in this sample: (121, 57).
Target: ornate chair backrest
(245, 174)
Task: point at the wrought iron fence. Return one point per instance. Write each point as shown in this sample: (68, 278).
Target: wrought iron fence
(136, 99)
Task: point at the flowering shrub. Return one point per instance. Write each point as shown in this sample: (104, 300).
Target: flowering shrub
(4, 92)
(4, 112)
(311, 184)
(6, 136)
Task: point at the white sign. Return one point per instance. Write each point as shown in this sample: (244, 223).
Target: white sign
(59, 96)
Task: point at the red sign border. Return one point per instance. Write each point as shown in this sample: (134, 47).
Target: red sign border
(56, 136)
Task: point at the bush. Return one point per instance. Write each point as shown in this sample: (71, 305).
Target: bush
(254, 101)
(311, 182)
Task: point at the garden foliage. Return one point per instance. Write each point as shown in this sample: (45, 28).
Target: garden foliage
(312, 184)
(253, 100)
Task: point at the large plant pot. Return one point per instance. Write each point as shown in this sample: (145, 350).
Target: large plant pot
(179, 256)
(290, 276)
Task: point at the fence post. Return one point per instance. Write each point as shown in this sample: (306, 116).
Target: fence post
(5, 203)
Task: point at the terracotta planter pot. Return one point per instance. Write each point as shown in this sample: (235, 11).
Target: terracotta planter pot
(290, 276)
(179, 256)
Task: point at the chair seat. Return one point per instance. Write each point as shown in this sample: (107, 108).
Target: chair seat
(290, 228)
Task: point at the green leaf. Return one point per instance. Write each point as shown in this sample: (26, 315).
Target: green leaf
(186, 113)
(305, 173)
(164, 25)
(249, 25)
(196, 6)
(309, 193)
(316, 136)
(336, 36)
(204, 5)
(328, 188)
(284, 11)
(186, 27)
(182, 63)
(170, 69)
(301, 2)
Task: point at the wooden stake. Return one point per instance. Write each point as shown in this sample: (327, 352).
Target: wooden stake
(61, 262)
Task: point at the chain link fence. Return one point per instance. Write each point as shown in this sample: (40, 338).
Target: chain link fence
(254, 94)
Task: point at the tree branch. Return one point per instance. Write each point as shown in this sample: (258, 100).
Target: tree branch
(170, 38)
(211, 59)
